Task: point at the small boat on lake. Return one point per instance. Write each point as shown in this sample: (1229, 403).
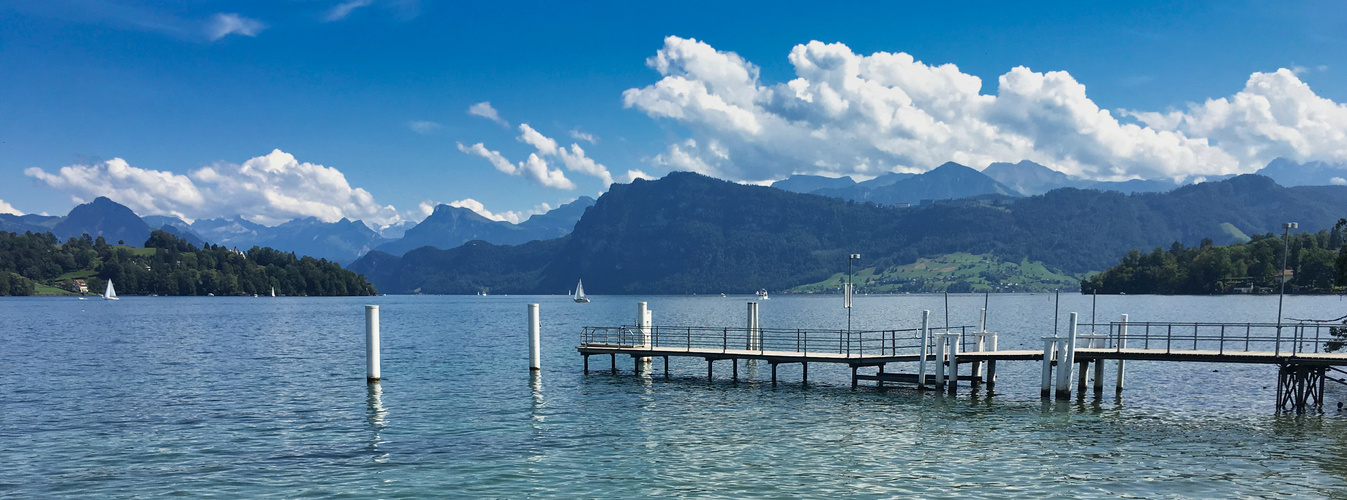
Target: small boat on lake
(580, 292)
(110, 293)
(762, 295)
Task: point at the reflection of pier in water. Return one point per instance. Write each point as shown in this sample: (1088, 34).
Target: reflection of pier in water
(938, 352)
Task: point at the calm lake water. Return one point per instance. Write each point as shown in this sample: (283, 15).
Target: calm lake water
(261, 397)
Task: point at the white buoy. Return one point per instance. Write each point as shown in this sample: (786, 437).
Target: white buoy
(1122, 344)
(925, 347)
(535, 339)
(372, 343)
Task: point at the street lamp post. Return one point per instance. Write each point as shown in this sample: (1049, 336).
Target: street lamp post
(850, 288)
(1281, 296)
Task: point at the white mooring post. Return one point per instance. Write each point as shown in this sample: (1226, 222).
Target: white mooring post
(1049, 347)
(754, 334)
(372, 343)
(925, 347)
(535, 339)
(1065, 358)
(1122, 344)
(643, 315)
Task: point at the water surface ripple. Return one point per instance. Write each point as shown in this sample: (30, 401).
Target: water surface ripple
(244, 397)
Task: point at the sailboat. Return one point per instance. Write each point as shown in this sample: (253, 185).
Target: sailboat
(110, 293)
(580, 292)
(273, 291)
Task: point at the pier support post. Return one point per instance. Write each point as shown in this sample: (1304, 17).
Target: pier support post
(925, 348)
(535, 335)
(953, 339)
(372, 343)
(941, 344)
(1083, 380)
(710, 371)
(613, 358)
(666, 367)
(991, 375)
(1122, 344)
(734, 370)
(880, 382)
(804, 373)
(1049, 349)
(773, 374)
(1066, 353)
(853, 376)
(586, 364)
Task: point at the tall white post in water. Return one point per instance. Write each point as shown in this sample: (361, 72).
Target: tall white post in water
(643, 322)
(372, 343)
(925, 340)
(1065, 359)
(1122, 344)
(1049, 347)
(535, 339)
(754, 334)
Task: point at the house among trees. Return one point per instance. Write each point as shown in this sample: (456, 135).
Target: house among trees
(79, 286)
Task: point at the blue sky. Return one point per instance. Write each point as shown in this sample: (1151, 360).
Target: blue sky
(282, 109)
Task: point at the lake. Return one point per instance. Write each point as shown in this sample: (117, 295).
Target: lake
(266, 397)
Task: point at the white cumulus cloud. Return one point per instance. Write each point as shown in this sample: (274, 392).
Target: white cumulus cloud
(266, 189)
(6, 208)
(1275, 115)
(223, 25)
(852, 114)
(484, 110)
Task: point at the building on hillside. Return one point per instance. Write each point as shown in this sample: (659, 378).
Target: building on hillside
(79, 286)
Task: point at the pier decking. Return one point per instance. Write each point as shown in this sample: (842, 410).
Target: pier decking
(1299, 349)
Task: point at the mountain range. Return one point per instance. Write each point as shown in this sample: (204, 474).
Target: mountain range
(1026, 178)
(688, 233)
(341, 242)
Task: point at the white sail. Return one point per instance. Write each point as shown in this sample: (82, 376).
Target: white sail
(273, 291)
(580, 292)
(110, 293)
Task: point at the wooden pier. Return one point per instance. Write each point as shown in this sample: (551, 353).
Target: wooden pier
(940, 352)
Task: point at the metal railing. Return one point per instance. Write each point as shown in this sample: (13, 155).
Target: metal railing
(1287, 339)
(851, 343)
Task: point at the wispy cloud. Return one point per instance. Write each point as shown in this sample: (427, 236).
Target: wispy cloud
(424, 127)
(584, 136)
(513, 217)
(484, 110)
(224, 24)
(344, 9)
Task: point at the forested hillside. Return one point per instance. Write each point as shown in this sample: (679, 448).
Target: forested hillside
(688, 233)
(167, 265)
(1316, 261)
